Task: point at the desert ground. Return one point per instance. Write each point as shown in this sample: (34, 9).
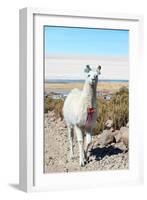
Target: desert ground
(107, 152)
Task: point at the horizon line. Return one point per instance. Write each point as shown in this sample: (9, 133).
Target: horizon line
(77, 56)
(67, 79)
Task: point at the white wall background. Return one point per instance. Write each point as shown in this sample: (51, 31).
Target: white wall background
(9, 49)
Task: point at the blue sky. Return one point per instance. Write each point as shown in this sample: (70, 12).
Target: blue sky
(83, 41)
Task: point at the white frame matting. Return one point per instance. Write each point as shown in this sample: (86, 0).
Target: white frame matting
(31, 176)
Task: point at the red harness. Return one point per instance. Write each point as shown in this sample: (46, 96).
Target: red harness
(90, 111)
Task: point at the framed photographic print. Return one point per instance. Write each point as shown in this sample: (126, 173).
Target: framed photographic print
(79, 97)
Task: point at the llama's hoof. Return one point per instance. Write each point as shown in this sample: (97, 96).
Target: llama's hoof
(87, 161)
(82, 163)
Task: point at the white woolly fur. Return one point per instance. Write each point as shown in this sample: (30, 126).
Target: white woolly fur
(75, 112)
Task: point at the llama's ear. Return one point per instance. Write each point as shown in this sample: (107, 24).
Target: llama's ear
(87, 68)
(99, 69)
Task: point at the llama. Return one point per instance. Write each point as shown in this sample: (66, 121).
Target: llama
(80, 113)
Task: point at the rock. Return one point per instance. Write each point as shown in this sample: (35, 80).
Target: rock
(125, 135)
(106, 137)
(51, 114)
(127, 125)
(108, 124)
(121, 146)
(64, 123)
(117, 136)
(125, 138)
(59, 120)
(52, 119)
(123, 129)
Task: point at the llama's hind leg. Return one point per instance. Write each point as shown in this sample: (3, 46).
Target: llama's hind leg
(81, 145)
(70, 137)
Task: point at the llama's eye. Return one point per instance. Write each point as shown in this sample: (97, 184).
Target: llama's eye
(88, 75)
(96, 76)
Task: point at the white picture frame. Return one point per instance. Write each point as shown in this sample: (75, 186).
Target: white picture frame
(31, 174)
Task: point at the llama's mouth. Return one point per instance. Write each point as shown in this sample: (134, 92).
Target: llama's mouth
(92, 83)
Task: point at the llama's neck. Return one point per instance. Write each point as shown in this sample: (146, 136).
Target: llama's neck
(89, 92)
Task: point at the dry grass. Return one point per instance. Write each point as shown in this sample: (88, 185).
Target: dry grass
(116, 109)
(54, 104)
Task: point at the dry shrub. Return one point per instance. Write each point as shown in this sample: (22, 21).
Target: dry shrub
(116, 109)
(54, 104)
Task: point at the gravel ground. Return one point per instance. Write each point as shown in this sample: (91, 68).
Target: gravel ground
(56, 151)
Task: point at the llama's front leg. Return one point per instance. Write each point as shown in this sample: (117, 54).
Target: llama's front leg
(88, 141)
(70, 137)
(81, 145)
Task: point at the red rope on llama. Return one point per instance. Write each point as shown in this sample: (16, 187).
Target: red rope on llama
(90, 111)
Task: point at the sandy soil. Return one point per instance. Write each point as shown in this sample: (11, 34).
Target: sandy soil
(56, 151)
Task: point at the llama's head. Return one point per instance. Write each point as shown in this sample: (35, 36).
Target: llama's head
(92, 74)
